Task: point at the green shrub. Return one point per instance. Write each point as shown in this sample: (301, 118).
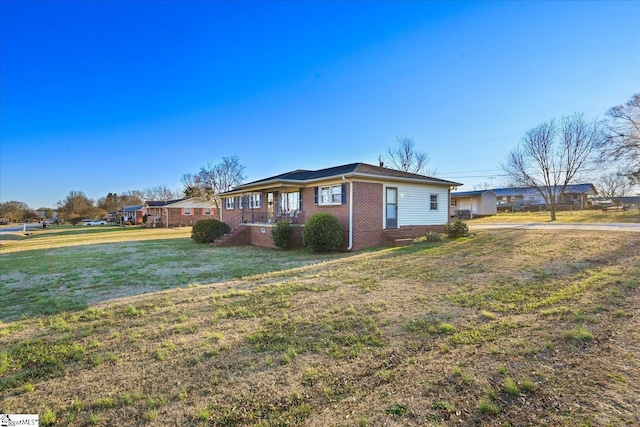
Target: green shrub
(433, 237)
(456, 228)
(208, 230)
(322, 233)
(280, 234)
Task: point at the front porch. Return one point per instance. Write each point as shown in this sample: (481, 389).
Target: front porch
(266, 206)
(261, 217)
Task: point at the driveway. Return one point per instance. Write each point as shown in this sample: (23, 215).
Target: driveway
(20, 227)
(558, 226)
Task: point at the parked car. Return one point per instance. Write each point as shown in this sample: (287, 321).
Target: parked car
(95, 222)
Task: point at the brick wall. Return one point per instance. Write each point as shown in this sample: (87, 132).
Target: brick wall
(341, 212)
(261, 236)
(367, 213)
(176, 218)
(368, 205)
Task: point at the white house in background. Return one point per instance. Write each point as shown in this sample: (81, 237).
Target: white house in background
(481, 202)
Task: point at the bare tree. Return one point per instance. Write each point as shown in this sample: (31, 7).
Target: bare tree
(484, 186)
(551, 155)
(613, 185)
(160, 193)
(406, 158)
(214, 179)
(622, 144)
(76, 206)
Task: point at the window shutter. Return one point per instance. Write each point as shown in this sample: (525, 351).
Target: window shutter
(344, 194)
(315, 195)
(300, 200)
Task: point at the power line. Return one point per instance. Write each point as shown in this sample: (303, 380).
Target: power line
(474, 142)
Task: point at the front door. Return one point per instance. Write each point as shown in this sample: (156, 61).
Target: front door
(392, 207)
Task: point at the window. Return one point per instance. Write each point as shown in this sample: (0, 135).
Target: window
(330, 195)
(255, 201)
(433, 202)
(241, 201)
(290, 201)
(206, 211)
(187, 211)
(229, 203)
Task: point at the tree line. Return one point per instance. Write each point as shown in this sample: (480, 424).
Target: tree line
(548, 158)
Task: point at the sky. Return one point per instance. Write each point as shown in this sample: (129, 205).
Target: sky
(113, 96)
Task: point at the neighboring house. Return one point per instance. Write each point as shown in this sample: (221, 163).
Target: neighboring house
(629, 201)
(374, 205)
(178, 213)
(481, 202)
(576, 196)
(132, 214)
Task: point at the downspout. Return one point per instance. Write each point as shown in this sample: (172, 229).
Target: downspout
(350, 213)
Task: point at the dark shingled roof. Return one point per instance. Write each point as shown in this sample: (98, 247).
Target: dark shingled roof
(160, 203)
(301, 176)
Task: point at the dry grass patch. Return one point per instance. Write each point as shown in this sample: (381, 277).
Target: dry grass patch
(446, 333)
(586, 216)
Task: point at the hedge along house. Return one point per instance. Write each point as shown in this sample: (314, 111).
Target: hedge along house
(178, 213)
(374, 205)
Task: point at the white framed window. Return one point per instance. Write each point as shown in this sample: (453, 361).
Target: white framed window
(330, 195)
(433, 202)
(240, 200)
(290, 201)
(229, 203)
(206, 211)
(187, 211)
(255, 201)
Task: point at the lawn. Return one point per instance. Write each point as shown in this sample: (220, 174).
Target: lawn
(508, 327)
(69, 268)
(585, 216)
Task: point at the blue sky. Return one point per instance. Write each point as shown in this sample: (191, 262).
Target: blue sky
(111, 96)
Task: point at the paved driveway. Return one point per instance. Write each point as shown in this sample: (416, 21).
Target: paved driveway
(558, 226)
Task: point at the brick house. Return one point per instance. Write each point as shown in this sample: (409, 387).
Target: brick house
(178, 213)
(374, 205)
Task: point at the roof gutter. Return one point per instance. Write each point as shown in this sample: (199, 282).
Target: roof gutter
(350, 212)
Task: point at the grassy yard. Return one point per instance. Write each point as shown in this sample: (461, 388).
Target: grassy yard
(69, 268)
(507, 327)
(586, 216)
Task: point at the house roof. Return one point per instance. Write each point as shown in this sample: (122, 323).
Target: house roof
(132, 208)
(187, 202)
(571, 189)
(471, 193)
(161, 203)
(628, 199)
(351, 170)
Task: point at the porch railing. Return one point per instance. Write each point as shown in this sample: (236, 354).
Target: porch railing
(251, 217)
